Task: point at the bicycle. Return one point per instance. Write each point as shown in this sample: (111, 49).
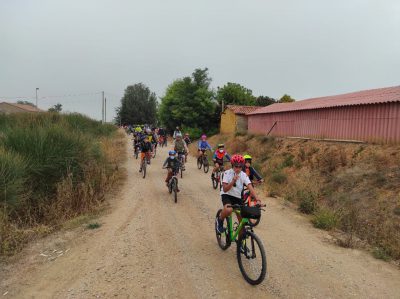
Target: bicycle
(143, 165)
(173, 184)
(202, 161)
(154, 150)
(249, 201)
(249, 245)
(181, 158)
(218, 176)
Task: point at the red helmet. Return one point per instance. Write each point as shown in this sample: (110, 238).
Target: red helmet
(237, 159)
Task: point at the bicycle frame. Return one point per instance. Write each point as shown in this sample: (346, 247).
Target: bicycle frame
(232, 233)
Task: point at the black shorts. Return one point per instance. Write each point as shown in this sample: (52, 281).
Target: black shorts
(219, 161)
(230, 200)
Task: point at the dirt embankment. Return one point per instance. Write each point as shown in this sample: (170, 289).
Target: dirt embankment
(350, 187)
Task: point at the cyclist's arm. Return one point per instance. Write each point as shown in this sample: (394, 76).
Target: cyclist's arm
(165, 163)
(227, 156)
(214, 156)
(249, 186)
(256, 174)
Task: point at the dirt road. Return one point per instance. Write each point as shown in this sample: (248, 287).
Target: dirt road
(150, 247)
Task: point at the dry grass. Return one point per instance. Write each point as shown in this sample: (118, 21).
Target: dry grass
(348, 186)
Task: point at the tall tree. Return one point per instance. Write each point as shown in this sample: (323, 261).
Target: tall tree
(286, 99)
(138, 106)
(188, 102)
(265, 101)
(236, 94)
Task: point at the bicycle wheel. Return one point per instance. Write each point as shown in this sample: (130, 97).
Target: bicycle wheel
(206, 166)
(199, 163)
(215, 180)
(155, 152)
(251, 258)
(221, 177)
(144, 166)
(181, 171)
(224, 240)
(136, 154)
(175, 187)
(170, 186)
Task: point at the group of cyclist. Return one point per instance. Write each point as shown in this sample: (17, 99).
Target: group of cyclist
(241, 175)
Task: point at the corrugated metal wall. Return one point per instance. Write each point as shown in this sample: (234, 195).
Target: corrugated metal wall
(378, 123)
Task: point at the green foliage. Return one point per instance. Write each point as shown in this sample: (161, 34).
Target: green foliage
(286, 99)
(288, 161)
(265, 101)
(138, 106)
(93, 225)
(56, 108)
(38, 151)
(278, 177)
(307, 201)
(381, 254)
(235, 94)
(325, 219)
(396, 211)
(188, 102)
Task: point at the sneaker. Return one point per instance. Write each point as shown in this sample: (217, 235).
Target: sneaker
(220, 225)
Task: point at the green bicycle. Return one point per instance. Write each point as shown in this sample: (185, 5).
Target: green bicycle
(250, 251)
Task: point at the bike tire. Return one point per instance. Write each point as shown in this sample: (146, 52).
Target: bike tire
(136, 154)
(254, 242)
(144, 166)
(155, 152)
(215, 181)
(181, 171)
(199, 163)
(224, 240)
(170, 187)
(206, 166)
(175, 191)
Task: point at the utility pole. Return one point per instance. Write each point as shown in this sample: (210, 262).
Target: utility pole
(36, 97)
(105, 110)
(102, 107)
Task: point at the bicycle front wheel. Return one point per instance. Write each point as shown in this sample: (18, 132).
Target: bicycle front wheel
(144, 166)
(223, 239)
(251, 258)
(175, 188)
(199, 163)
(206, 166)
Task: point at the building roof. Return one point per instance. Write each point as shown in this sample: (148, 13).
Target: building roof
(365, 97)
(237, 109)
(27, 108)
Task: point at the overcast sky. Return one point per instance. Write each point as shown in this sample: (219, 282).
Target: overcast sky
(305, 48)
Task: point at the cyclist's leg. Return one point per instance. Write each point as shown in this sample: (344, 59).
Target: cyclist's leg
(148, 156)
(142, 155)
(169, 175)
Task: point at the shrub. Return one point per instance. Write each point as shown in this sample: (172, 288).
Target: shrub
(381, 254)
(308, 201)
(194, 133)
(278, 177)
(396, 211)
(325, 219)
(288, 161)
(93, 225)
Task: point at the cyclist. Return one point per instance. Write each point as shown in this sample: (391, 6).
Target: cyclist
(218, 158)
(163, 135)
(232, 186)
(187, 140)
(145, 147)
(176, 132)
(180, 147)
(250, 171)
(172, 164)
(154, 138)
(203, 145)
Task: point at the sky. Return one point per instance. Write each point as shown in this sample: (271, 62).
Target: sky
(72, 50)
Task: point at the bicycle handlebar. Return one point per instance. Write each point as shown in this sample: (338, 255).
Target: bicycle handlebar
(236, 206)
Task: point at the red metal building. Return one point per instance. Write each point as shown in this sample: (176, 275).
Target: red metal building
(370, 115)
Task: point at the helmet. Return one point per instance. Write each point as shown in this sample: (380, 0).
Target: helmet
(237, 159)
(172, 153)
(204, 136)
(178, 135)
(148, 131)
(186, 134)
(247, 157)
(221, 145)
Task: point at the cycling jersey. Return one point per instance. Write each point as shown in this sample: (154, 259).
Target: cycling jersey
(145, 147)
(203, 145)
(220, 156)
(172, 163)
(237, 188)
(180, 146)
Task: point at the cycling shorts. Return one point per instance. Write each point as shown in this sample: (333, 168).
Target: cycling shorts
(219, 161)
(230, 200)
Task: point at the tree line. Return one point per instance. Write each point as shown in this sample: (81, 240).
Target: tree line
(188, 102)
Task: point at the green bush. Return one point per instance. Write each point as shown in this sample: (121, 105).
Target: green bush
(288, 161)
(325, 219)
(278, 177)
(381, 254)
(307, 201)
